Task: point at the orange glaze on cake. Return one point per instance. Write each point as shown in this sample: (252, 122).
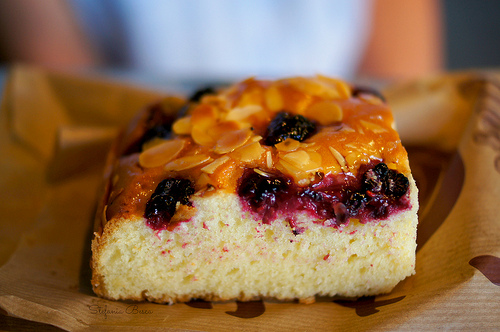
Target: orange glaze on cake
(222, 135)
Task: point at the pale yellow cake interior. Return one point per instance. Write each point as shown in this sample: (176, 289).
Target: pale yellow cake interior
(221, 255)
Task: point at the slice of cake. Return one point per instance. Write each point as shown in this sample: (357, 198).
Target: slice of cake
(282, 189)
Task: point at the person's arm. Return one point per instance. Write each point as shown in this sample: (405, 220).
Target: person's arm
(406, 40)
(43, 33)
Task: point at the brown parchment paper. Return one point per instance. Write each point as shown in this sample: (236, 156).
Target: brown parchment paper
(55, 131)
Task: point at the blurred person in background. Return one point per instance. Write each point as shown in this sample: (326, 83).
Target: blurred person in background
(227, 39)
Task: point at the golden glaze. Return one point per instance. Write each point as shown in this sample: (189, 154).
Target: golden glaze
(364, 133)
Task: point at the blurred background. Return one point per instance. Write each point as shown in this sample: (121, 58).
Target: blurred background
(225, 40)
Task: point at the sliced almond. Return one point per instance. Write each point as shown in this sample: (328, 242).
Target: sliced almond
(182, 126)
(304, 161)
(308, 86)
(203, 118)
(232, 140)
(204, 182)
(352, 159)
(162, 153)
(370, 99)
(201, 136)
(261, 172)
(347, 129)
(256, 138)
(338, 88)
(249, 152)
(210, 168)
(222, 128)
(241, 113)
(315, 161)
(339, 157)
(288, 145)
(269, 159)
(377, 129)
(273, 98)
(187, 162)
(251, 97)
(297, 158)
(325, 112)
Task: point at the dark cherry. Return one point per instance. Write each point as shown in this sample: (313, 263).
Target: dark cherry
(285, 125)
(396, 184)
(373, 194)
(163, 202)
(373, 179)
(260, 189)
(357, 201)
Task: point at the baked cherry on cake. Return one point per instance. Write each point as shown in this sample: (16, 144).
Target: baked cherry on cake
(285, 189)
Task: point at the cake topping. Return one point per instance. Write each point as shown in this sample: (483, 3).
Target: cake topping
(384, 180)
(331, 200)
(285, 125)
(162, 205)
(297, 131)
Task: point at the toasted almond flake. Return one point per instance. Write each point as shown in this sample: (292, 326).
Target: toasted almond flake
(161, 154)
(338, 156)
(370, 99)
(303, 161)
(325, 112)
(222, 128)
(200, 136)
(249, 152)
(204, 182)
(341, 88)
(308, 86)
(232, 140)
(187, 162)
(288, 145)
(297, 158)
(210, 168)
(269, 159)
(250, 97)
(352, 159)
(273, 98)
(241, 113)
(288, 168)
(377, 129)
(204, 116)
(182, 126)
(300, 176)
(347, 129)
(261, 172)
(256, 138)
(344, 89)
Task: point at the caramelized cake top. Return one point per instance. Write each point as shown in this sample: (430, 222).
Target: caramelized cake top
(301, 129)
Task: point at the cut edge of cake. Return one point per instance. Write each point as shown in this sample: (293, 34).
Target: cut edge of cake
(223, 247)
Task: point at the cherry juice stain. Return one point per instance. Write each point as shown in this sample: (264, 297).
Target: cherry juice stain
(366, 306)
(489, 266)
